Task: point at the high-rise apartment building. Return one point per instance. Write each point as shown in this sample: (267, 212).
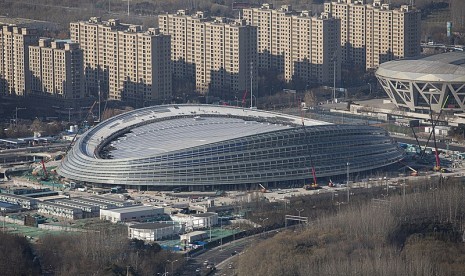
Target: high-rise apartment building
(375, 33)
(124, 61)
(56, 69)
(297, 44)
(218, 54)
(14, 59)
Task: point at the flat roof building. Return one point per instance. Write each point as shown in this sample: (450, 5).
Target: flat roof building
(194, 236)
(154, 231)
(196, 221)
(58, 210)
(111, 201)
(88, 210)
(133, 213)
(23, 201)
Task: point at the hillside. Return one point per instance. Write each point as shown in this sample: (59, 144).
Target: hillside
(415, 234)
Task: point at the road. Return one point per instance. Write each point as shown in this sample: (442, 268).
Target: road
(221, 256)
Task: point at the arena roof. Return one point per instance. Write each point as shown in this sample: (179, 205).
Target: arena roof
(152, 130)
(199, 145)
(446, 67)
(184, 133)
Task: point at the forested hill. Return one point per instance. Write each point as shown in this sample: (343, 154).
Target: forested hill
(414, 234)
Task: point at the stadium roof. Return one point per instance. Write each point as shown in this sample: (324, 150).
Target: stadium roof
(447, 67)
(155, 130)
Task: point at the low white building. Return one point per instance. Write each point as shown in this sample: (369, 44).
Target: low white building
(154, 231)
(57, 210)
(23, 201)
(197, 221)
(194, 236)
(133, 213)
(438, 130)
(89, 211)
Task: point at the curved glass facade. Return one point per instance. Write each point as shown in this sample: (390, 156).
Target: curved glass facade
(271, 157)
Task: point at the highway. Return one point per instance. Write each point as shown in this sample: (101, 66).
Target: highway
(222, 255)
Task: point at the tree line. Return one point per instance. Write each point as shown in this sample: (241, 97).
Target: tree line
(106, 251)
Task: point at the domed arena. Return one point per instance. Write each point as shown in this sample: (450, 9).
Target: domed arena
(223, 147)
(432, 83)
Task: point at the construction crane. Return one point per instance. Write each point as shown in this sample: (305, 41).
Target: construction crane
(314, 185)
(45, 176)
(244, 98)
(77, 132)
(437, 167)
(433, 132)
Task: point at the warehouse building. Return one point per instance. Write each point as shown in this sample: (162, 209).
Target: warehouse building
(101, 205)
(133, 213)
(23, 201)
(88, 210)
(57, 210)
(113, 202)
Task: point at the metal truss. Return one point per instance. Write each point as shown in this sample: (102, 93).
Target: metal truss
(418, 96)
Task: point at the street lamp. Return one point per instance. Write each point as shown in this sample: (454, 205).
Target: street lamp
(69, 114)
(334, 59)
(166, 273)
(263, 224)
(172, 271)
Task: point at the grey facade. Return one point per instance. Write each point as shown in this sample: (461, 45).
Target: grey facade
(212, 145)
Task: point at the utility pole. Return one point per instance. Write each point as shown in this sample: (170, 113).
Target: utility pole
(348, 190)
(99, 96)
(69, 114)
(334, 76)
(251, 84)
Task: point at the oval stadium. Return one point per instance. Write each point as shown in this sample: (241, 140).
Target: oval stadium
(435, 82)
(223, 147)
